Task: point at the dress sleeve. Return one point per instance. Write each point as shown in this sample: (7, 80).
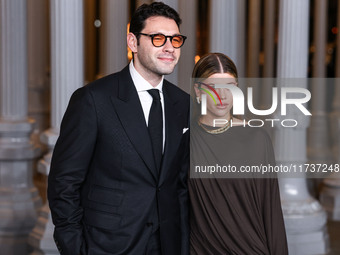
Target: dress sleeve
(273, 217)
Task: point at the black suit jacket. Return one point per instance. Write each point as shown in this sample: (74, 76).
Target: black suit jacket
(104, 191)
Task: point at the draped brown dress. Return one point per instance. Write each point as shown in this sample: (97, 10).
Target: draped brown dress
(239, 215)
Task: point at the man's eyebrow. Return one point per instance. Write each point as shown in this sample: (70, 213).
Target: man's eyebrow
(154, 33)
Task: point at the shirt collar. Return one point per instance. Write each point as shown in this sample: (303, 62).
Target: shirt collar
(140, 83)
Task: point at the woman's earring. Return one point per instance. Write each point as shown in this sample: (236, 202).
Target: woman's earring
(198, 100)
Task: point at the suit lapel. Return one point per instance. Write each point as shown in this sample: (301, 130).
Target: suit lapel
(173, 131)
(130, 113)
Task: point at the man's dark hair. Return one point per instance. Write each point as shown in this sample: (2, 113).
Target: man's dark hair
(146, 11)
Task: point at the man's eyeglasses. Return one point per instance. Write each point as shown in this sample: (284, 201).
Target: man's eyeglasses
(158, 40)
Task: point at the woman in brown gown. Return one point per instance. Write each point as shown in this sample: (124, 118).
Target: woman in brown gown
(230, 215)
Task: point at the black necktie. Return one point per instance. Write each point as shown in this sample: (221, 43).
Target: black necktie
(155, 126)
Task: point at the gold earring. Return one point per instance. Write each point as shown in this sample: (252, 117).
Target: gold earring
(198, 100)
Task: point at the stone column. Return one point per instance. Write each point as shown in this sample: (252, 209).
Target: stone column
(330, 192)
(305, 220)
(19, 200)
(174, 76)
(228, 39)
(67, 74)
(223, 28)
(318, 133)
(187, 11)
(172, 3)
(112, 36)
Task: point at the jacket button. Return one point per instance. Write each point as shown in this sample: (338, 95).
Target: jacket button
(149, 224)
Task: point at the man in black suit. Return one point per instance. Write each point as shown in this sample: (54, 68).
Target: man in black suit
(117, 183)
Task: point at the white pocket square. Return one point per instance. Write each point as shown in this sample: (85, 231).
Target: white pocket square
(185, 130)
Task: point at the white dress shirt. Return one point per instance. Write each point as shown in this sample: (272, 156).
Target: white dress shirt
(142, 87)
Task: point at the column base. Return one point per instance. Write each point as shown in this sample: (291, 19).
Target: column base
(19, 199)
(14, 245)
(306, 227)
(18, 213)
(330, 196)
(41, 238)
(15, 141)
(49, 138)
(309, 243)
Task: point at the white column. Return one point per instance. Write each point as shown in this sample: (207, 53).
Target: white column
(330, 193)
(19, 200)
(305, 220)
(41, 238)
(187, 11)
(112, 36)
(227, 31)
(67, 73)
(172, 3)
(174, 76)
(318, 135)
(223, 28)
